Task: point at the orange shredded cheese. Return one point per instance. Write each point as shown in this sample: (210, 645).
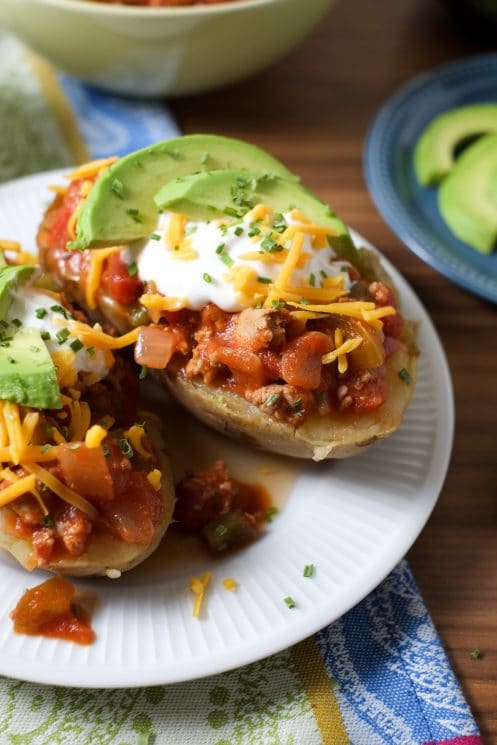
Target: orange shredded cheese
(155, 478)
(17, 489)
(9, 475)
(230, 584)
(156, 302)
(259, 212)
(175, 230)
(134, 434)
(97, 258)
(67, 375)
(342, 348)
(94, 336)
(29, 425)
(290, 263)
(198, 586)
(6, 245)
(91, 169)
(95, 436)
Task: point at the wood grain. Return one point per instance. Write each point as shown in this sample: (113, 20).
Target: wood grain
(312, 110)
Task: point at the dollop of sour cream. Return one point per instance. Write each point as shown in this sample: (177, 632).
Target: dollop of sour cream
(32, 308)
(205, 278)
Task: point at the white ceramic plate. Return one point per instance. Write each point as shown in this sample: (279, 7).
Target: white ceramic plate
(353, 520)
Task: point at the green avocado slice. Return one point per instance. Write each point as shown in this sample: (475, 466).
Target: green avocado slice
(467, 198)
(27, 372)
(10, 278)
(434, 155)
(120, 207)
(202, 196)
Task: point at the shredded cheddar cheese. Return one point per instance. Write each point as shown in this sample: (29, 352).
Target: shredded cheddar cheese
(17, 489)
(156, 302)
(198, 586)
(94, 336)
(67, 375)
(97, 258)
(92, 168)
(230, 584)
(95, 436)
(61, 490)
(155, 478)
(134, 434)
(6, 245)
(175, 230)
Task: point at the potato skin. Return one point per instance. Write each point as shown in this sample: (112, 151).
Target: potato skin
(104, 551)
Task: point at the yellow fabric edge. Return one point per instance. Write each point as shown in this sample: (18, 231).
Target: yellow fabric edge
(318, 689)
(59, 107)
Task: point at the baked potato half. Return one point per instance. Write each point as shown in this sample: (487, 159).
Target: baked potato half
(255, 309)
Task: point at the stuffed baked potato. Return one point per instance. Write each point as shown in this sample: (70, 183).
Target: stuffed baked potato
(84, 488)
(254, 307)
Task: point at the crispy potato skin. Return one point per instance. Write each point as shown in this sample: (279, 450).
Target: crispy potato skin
(104, 551)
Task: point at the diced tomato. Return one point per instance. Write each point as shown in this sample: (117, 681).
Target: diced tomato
(58, 235)
(133, 514)
(301, 359)
(155, 346)
(393, 325)
(239, 360)
(86, 471)
(367, 396)
(46, 610)
(118, 283)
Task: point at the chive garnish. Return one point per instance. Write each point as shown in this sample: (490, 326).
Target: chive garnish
(76, 345)
(253, 230)
(290, 602)
(134, 213)
(238, 230)
(271, 513)
(308, 570)
(41, 312)
(62, 335)
(405, 375)
(272, 400)
(226, 259)
(143, 372)
(206, 277)
(17, 322)
(232, 212)
(264, 280)
(91, 351)
(45, 335)
(125, 447)
(133, 269)
(117, 188)
(304, 301)
(476, 654)
(312, 279)
(45, 448)
(33, 349)
(59, 309)
(323, 273)
(278, 304)
(220, 248)
(297, 406)
(106, 450)
(48, 521)
(155, 237)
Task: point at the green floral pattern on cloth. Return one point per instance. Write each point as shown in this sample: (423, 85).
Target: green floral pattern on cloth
(30, 138)
(261, 704)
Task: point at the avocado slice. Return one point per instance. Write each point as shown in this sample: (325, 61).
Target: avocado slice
(434, 155)
(202, 196)
(10, 278)
(120, 206)
(27, 372)
(2, 260)
(467, 198)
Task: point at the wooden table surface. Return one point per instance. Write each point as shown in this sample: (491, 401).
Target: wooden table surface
(312, 110)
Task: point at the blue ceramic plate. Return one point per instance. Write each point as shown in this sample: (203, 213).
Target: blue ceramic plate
(411, 210)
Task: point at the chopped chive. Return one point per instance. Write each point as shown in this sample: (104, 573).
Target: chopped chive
(134, 213)
(33, 349)
(62, 335)
(304, 301)
(59, 309)
(220, 248)
(45, 335)
(117, 188)
(405, 376)
(297, 406)
(48, 521)
(190, 229)
(76, 345)
(17, 322)
(106, 450)
(269, 244)
(125, 447)
(312, 279)
(271, 513)
(476, 654)
(206, 277)
(290, 602)
(12, 360)
(223, 228)
(74, 446)
(232, 212)
(253, 230)
(226, 259)
(238, 230)
(133, 269)
(279, 223)
(41, 312)
(277, 304)
(155, 237)
(91, 351)
(323, 273)
(264, 280)
(308, 570)
(45, 448)
(272, 400)
(143, 372)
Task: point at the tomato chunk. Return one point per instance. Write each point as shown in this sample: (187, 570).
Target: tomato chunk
(118, 283)
(301, 359)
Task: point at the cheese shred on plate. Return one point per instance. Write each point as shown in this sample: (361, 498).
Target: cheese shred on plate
(198, 586)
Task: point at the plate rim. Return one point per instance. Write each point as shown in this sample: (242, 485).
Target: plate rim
(111, 676)
(394, 211)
